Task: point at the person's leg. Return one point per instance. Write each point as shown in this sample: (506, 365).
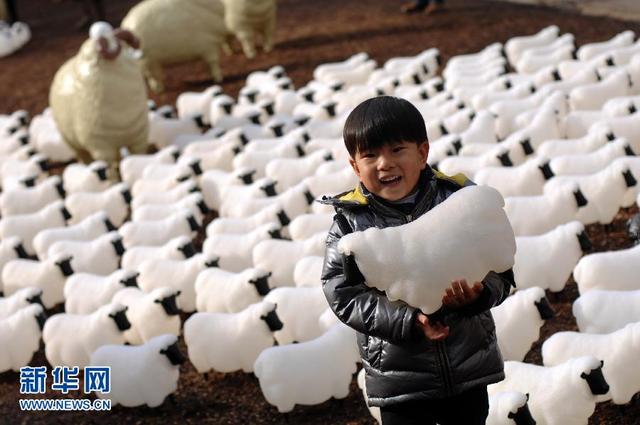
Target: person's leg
(410, 413)
(469, 408)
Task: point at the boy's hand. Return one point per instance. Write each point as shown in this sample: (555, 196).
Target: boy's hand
(433, 331)
(461, 294)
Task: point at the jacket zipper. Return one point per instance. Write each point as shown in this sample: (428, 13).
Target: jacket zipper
(446, 368)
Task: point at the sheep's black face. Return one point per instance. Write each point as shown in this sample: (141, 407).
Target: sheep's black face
(547, 172)
(173, 354)
(252, 95)
(65, 214)
(175, 155)
(331, 109)
(278, 130)
(41, 318)
(261, 284)
(275, 234)
(193, 224)
(273, 321)
(629, 179)
(309, 197)
(29, 181)
(300, 151)
(544, 308)
(20, 251)
(199, 121)
(585, 242)
(283, 218)
(269, 188)
(183, 178)
(126, 195)
(44, 165)
(35, 299)
(308, 95)
(226, 107)
(526, 146)
(302, 120)
(101, 173)
(118, 247)
(443, 130)
(187, 250)
(195, 166)
(131, 280)
(247, 178)
(254, 118)
(213, 262)
(268, 107)
(505, 160)
(580, 199)
(109, 225)
(202, 207)
(121, 320)
(457, 144)
(628, 151)
(65, 266)
(522, 416)
(169, 304)
(596, 381)
(60, 189)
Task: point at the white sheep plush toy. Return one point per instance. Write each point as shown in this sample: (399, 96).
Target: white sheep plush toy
(600, 311)
(71, 338)
(508, 408)
(466, 236)
(227, 342)
(150, 314)
(518, 321)
(561, 395)
(20, 337)
(19, 300)
(619, 351)
(613, 270)
(222, 291)
(286, 378)
(547, 260)
(144, 374)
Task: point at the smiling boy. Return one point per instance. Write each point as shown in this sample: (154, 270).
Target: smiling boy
(418, 371)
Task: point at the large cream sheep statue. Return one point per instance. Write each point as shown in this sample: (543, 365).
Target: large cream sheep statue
(248, 18)
(173, 31)
(99, 99)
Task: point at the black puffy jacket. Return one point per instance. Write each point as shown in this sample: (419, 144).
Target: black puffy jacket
(401, 364)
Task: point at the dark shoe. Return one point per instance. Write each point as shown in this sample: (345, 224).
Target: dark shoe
(433, 8)
(412, 7)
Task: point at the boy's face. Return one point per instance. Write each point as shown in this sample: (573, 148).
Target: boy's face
(392, 171)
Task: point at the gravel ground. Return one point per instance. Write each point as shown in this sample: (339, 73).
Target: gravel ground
(309, 33)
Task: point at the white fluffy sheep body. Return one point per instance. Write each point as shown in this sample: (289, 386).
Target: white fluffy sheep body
(147, 314)
(285, 375)
(86, 178)
(132, 166)
(547, 260)
(227, 342)
(400, 259)
(194, 202)
(619, 350)
(27, 226)
(518, 322)
(20, 337)
(601, 311)
(159, 232)
(84, 293)
(139, 374)
(526, 179)
(222, 291)
(114, 201)
(10, 249)
(307, 271)
(88, 229)
(558, 395)
(299, 310)
(49, 275)
(177, 249)
(180, 275)
(280, 256)
(71, 338)
(99, 256)
(592, 162)
(28, 200)
(613, 270)
(18, 300)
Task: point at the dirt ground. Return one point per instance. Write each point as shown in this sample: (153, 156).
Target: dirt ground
(309, 33)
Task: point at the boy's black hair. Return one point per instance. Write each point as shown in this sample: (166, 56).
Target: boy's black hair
(382, 120)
